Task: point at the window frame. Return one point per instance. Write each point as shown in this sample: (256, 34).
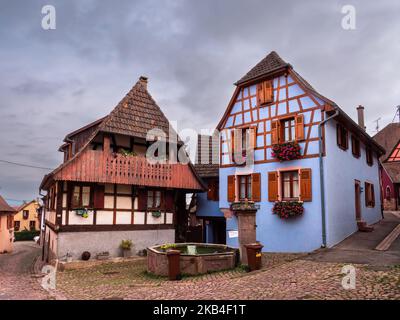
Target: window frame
(369, 195)
(291, 181)
(342, 136)
(34, 225)
(291, 129)
(355, 146)
(25, 214)
(154, 199)
(17, 225)
(248, 187)
(80, 199)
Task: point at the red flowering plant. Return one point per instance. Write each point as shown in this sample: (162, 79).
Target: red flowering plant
(288, 209)
(286, 151)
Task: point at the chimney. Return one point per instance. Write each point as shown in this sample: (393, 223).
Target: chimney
(360, 113)
(143, 80)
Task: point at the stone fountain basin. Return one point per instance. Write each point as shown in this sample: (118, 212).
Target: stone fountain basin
(208, 258)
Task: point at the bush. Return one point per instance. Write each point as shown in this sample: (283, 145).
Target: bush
(126, 245)
(25, 235)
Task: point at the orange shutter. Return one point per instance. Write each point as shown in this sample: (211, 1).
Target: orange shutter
(299, 127)
(274, 132)
(260, 94)
(253, 137)
(256, 187)
(231, 188)
(273, 186)
(268, 91)
(305, 185)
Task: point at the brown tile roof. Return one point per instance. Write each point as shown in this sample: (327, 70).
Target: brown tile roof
(388, 138)
(5, 207)
(207, 156)
(393, 170)
(271, 63)
(136, 114)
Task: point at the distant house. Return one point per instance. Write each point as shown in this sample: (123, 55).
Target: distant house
(207, 204)
(389, 138)
(6, 227)
(27, 217)
(296, 153)
(107, 191)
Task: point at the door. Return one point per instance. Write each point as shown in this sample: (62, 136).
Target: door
(357, 193)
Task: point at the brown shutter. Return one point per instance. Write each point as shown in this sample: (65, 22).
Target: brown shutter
(305, 185)
(231, 188)
(260, 94)
(299, 120)
(273, 186)
(268, 91)
(253, 131)
(372, 195)
(98, 197)
(275, 132)
(142, 199)
(256, 187)
(338, 135)
(232, 145)
(169, 201)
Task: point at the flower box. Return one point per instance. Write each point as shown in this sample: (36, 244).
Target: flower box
(288, 209)
(286, 151)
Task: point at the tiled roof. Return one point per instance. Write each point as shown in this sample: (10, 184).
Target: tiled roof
(136, 114)
(270, 63)
(393, 170)
(5, 207)
(207, 162)
(388, 138)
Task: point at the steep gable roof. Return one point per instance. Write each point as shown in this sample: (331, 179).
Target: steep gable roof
(5, 207)
(389, 138)
(271, 63)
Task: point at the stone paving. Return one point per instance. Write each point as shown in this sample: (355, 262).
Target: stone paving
(16, 280)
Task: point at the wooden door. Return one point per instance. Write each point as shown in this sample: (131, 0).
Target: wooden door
(357, 194)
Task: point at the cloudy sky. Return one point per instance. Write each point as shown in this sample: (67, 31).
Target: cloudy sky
(54, 81)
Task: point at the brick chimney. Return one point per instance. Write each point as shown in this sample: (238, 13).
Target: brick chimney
(143, 80)
(360, 113)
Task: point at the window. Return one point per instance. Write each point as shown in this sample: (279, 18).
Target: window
(342, 137)
(80, 197)
(290, 185)
(388, 193)
(243, 139)
(265, 92)
(17, 225)
(25, 214)
(213, 190)
(288, 130)
(369, 156)
(153, 199)
(355, 146)
(369, 195)
(32, 225)
(245, 187)
(10, 221)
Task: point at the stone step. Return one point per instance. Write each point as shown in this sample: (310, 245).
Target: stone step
(363, 227)
(386, 243)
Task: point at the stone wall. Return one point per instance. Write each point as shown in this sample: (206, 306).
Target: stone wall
(100, 241)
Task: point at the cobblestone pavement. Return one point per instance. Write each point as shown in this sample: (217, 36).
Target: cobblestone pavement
(16, 281)
(282, 277)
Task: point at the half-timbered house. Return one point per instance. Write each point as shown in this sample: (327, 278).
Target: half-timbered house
(107, 190)
(310, 163)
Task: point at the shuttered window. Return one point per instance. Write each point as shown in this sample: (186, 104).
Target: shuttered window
(305, 185)
(245, 191)
(342, 137)
(248, 186)
(273, 194)
(290, 185)
(294, 185)
(265, 92)
(243, 140)
(369, 195)
(231, 188)
(369, 156)
(287, 129)
(355, 146)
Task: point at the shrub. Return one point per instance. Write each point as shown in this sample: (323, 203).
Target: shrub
(25, 235)
(126, 245)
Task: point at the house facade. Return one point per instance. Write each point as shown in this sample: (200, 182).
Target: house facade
(6, 227)
(283, 145)
(27, 217)
(389, 138)
(108, 190)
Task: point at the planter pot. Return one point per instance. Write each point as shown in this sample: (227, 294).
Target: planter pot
(126, 253)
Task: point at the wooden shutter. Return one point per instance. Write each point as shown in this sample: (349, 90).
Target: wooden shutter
(260, 94)
(305, 185)
(273, 186)
(372, 195)
(98, 197)
(232, 145)
(299, 122)
(142, 199)
(169, 201)
(231, 188)
(268, 91)
(256, 187)
(275, 132)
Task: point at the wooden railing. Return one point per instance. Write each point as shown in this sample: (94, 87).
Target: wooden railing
(96, 166)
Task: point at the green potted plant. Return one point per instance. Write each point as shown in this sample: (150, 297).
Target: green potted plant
(126, 246)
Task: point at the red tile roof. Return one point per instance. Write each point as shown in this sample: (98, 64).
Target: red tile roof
(5, 207)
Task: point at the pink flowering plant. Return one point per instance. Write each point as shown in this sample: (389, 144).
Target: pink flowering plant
(288, 209)
(286, 151)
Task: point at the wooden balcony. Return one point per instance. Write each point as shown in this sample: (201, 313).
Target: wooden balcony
(96, 166)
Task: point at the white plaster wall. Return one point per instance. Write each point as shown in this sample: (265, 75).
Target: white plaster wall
(123, 217)
(104, 217)
(153, 220)
(138, 218)
(341, 169)
(96, 242)
(109, 202)
(64, 217)
(170, 218)
(124, 203)
(64, 200)
(74, 219)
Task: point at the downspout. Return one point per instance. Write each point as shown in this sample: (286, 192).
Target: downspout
(322, 180)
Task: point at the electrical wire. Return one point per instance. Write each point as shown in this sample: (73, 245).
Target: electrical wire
(25, 165)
